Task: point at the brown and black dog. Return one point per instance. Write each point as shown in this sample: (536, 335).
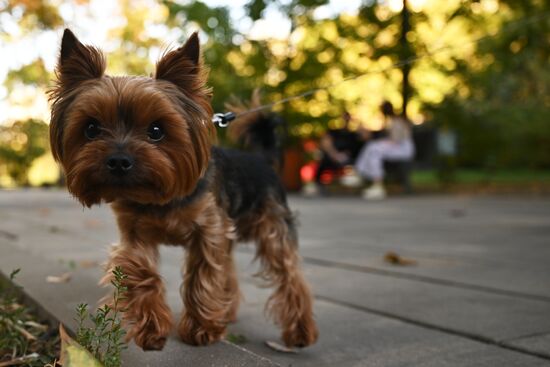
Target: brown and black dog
(144, 145)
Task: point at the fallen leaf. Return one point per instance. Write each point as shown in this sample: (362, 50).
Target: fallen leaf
(86, 264)
(63, 278)
(36, 325)
(20, 360)
(21, 330)
(92, 223)
(279, 347)
(44, 211)
(8, 235)
(73, 354)
(395, 259)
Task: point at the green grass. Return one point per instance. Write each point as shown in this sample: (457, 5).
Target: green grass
(25, 340)
(478, 177)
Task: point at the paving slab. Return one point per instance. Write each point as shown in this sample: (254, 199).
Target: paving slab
(537, 343)
(489, 242)
(350, 337)
(468, 311)
(478, 296)
(524, 281)
(58, 301)
(353, 338)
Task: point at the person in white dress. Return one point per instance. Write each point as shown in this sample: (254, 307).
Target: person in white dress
(398, 146)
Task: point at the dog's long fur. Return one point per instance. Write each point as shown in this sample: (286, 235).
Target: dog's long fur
(179, 190)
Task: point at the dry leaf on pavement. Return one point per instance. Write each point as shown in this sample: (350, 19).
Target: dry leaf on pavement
(73, 354)
(279, 347)
(395, 259)
(63, 278)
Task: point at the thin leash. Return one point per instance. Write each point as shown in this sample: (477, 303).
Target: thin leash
(223, 119)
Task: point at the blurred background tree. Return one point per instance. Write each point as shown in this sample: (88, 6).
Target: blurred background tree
(20, 144)
(501, 108)
(494, 93)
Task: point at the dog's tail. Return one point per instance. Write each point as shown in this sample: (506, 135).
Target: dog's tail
(256, 131)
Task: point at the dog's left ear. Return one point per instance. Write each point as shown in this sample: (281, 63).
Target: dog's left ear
(182, 66)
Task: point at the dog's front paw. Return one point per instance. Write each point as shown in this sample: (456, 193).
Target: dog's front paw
(302, 334)
(149, 341)
(151, 331)
(193, 333)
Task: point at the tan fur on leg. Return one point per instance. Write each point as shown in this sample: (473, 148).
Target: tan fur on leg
(147, 317)
(204, 291)
(291, 304)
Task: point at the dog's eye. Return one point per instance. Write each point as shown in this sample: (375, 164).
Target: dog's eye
(92, 129)
(155, 132)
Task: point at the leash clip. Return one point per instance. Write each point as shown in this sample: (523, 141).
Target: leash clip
(223, 119)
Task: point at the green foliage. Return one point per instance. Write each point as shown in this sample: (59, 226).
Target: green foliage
(255, 8)
(216, 23)
(41, 14)
(236, 338)
(239, 65)
(495, 97)
(20, 144)
(105, 337)
(21, 337)
(503, 112)
(34, 73)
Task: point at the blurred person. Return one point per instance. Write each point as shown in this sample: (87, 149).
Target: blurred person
(397, 146)
(339, 148)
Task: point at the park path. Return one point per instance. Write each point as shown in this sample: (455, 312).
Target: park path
(477, 295)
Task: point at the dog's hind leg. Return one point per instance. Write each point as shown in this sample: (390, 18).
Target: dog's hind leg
(291, 304)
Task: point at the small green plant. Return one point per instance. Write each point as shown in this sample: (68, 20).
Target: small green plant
(105, 338)
(236, 338)
(23, 340)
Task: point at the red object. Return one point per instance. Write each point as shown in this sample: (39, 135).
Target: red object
(307, 172)
(310, 146)
(291, 169)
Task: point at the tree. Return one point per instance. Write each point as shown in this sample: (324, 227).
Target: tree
(493, 93)
(501, 108)
(20, 144)
(32, 19)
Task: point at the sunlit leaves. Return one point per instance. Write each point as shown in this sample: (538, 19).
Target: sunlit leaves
(255, 8)
(33, 73)
(20, 144)
(501, 107)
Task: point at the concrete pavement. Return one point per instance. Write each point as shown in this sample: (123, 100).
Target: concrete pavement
(478, 295)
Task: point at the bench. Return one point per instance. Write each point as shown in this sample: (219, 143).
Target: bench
(399, 172)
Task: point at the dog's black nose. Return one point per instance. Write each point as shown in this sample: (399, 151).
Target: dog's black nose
(119, 164)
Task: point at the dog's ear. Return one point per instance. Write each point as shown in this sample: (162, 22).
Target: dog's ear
(182, 66)
(77, 62)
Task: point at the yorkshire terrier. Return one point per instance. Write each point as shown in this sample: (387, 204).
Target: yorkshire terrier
(145, 145)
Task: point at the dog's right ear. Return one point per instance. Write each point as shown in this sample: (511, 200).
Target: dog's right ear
(77, 62)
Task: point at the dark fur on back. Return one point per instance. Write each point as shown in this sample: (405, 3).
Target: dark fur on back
(245, 180)
(241, 182)
(256, 130)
